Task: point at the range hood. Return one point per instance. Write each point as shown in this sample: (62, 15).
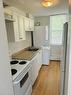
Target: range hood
(9, 18)
(5, 5)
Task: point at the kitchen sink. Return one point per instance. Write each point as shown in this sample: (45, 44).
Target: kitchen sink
(32, 49)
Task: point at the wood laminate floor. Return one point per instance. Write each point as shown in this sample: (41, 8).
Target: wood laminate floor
(48, 81)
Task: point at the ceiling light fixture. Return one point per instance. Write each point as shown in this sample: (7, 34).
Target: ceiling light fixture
(47, 3)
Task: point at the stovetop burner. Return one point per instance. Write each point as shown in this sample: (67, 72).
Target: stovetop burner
(14, 62)
(13, 71)
(22, 62)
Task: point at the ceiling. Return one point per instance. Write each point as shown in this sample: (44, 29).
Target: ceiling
(35, 7)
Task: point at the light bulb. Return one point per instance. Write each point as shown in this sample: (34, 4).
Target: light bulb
(46, 3)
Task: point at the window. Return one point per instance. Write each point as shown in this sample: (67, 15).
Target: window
(56, 29)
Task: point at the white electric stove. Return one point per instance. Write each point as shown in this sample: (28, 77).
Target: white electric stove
(21, 77)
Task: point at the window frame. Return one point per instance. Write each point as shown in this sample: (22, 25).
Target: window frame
(56, 30)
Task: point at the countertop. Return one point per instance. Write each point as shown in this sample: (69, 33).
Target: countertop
(25, 54)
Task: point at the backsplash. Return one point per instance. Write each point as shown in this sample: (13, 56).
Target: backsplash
(17, 46)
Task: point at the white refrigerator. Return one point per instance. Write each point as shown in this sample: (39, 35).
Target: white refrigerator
(41, 39)
(63, 65)
(40, 36)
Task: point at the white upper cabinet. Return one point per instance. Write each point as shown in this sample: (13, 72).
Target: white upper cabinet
(31, 21)
(29, 24)
(19, 27)
(16, 29)
(17, 24)
(22, 34)
(26, 24)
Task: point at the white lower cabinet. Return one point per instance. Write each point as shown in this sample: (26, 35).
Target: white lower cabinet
(39, 60)
(45, 55)
(36, 65)
(34, 72)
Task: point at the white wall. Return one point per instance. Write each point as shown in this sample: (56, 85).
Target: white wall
(17, 46)
(55, 52)
(6, 87)
(44, 20)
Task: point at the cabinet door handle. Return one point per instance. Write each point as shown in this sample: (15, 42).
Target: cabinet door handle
(30, 28)
(20, 38)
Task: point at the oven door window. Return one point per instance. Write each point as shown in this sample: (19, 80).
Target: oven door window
(24, 79)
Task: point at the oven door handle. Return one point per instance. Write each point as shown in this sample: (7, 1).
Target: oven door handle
(16, 82)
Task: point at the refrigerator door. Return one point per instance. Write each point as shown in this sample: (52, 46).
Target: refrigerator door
(64, 48)
(65, 57)
(63, 64)
(40, 35)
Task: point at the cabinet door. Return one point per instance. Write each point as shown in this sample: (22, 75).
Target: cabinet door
(34, 71)
(26, 24)
(16, 29)
(22, 34)
(46, 56)
(31, 24)
(36, 65)
(39, 60)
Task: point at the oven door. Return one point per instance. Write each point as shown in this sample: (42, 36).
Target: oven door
(29, 90)
(21, 84)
